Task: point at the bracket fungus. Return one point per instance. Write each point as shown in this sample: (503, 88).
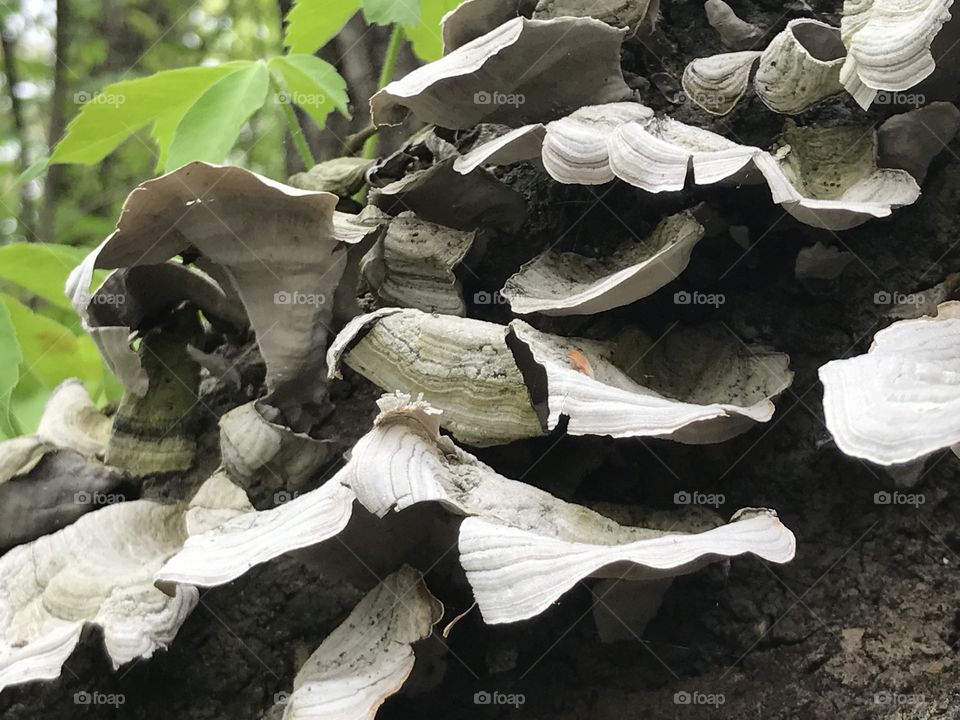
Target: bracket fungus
(51, 478)
(565, 283)
(693, 386)
(370, 655)
(888, 44)
(735, 33)
(824, 177)
(522, 548)
(716, 83)
(252, 446)
(463, 201)
(99, 571)
(699, 387)
(478, 81)
(821, 262)
(828, 177)
(911, 140)
(800, 67)
(70, 421)
(459, 364)
(275, 245)
(412, 265)
(898, 402)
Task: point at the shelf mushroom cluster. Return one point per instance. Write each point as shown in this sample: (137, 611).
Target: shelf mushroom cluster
(380, 292)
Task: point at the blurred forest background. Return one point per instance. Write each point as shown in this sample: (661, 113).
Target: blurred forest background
(69, 59)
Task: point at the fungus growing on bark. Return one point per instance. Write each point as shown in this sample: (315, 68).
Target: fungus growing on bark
(735, 33)
(521, 547)
(275, 245)
(800, 67)
(694, 386)
(476, 81)
(99, 571)
(888, 44)
(412, 265)
(369, 656)
(899, 401)
(556, 283)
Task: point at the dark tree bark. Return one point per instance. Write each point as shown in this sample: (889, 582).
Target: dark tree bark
(56, 174)
(26, 212)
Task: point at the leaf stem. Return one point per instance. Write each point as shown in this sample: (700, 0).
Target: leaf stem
(293, 125)
(386, 75)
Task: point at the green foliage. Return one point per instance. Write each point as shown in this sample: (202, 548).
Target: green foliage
(9, 370)
(313, 84)
(311, 24)
(210, 127)
(390, 12)
(197, 113)
(123, 108)
(424, 36)
(41, 341)
(41, 270)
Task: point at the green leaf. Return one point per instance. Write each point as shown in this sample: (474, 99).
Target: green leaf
(209, 129)
(313, 84)
(36, 169)
(311, 24)
(425, 36)
(389, 12)
(50, 353)
(123, 108)
(41, 269)
(9, 369)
